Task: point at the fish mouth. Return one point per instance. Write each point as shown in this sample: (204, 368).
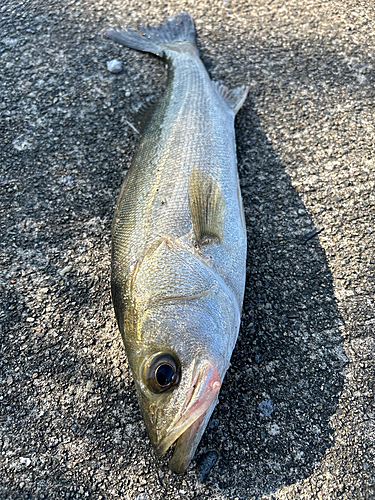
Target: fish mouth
(204, 388)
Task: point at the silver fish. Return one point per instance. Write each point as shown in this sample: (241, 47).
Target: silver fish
(179, 243)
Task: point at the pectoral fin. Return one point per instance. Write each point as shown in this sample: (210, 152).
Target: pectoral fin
(207, 207)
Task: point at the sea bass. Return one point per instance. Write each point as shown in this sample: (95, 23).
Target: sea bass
(179, 243)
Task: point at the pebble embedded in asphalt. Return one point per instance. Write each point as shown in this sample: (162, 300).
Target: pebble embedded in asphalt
(114, 66)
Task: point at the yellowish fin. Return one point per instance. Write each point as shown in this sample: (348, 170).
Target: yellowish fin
(207, 207)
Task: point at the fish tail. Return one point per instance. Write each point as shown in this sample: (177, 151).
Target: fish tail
(159, 39)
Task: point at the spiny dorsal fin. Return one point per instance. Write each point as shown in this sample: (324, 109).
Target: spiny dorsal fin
(234, 98)
(207, 207)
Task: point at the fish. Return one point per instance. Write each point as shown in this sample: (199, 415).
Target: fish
(179, 243)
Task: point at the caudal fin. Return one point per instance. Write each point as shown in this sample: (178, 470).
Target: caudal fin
(156, 39)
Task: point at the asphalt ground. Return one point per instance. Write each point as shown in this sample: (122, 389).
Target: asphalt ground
(296, 417)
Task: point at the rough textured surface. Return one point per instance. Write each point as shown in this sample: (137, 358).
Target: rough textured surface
(296, 413)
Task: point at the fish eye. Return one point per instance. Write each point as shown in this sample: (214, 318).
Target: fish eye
(162, 372)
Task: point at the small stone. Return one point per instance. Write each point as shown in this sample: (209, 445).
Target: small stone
(114, 66)
(25, 461)
(65, 179)
(266, 407)
(142, 496)
(11, 42)
(30, 319)
(274, 430)
(65, 270)
(10, 380)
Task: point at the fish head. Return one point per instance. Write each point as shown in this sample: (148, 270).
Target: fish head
(178, 365)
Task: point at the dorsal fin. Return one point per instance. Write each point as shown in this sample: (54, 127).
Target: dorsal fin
(143, 111)
(234, 98)
(207, 207)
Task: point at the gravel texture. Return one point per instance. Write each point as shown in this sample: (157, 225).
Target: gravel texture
(296, 417)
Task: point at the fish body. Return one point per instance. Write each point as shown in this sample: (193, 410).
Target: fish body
(179, 244)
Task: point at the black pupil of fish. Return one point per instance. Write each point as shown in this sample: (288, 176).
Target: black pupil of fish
(164, 374)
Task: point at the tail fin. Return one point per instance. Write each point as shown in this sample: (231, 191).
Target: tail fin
(156, 39)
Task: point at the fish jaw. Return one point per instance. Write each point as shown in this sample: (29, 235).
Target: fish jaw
(188, 442)
(199, 404)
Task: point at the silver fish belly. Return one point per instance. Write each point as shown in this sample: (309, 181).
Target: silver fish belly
(179, 244)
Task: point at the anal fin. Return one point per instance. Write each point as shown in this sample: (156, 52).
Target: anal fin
(207, 207)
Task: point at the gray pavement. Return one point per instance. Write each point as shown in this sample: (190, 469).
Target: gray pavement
(296, 416)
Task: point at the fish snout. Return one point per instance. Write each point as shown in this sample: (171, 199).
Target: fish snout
(202, 392)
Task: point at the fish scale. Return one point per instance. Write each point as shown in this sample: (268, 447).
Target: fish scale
(179, 243)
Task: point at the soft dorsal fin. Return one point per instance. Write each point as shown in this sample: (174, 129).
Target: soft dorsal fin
(234, 98)
(143, 111)
(207, 207)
